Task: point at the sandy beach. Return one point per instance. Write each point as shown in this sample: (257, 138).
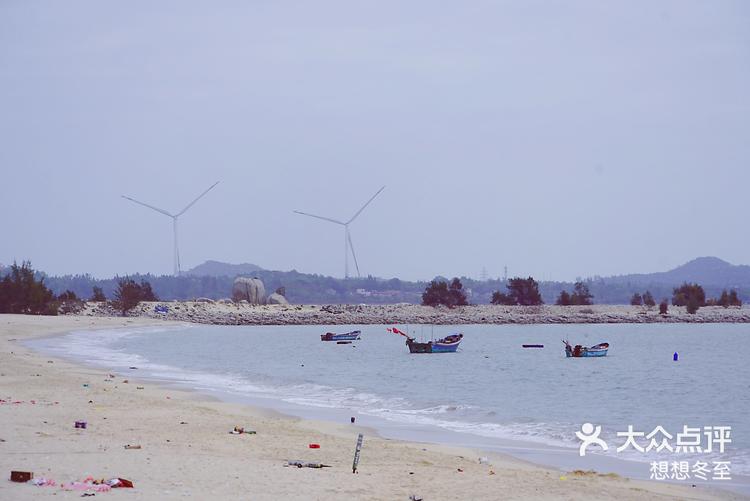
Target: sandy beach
(187, 452)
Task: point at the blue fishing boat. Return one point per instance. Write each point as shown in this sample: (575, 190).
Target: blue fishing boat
(347, 336)
(578, 351)
(448, 344)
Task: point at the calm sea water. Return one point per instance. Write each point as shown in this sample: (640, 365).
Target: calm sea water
(491, 390)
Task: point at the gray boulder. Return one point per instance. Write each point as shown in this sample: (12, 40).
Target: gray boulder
(251, 290)
(277, 298)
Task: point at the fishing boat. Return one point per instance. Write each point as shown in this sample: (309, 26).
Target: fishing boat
(448, 344)
(347, 336)
(578, 351)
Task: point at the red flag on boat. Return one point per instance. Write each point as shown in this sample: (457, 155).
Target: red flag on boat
(396, 331)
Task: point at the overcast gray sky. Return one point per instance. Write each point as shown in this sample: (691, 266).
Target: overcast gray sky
(561, 139)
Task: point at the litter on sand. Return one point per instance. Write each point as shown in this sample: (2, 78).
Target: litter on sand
(132, 446)
(87, 485)
(240, 430)
(97, 485)
(43, 482)
(21, 476)
(304, 464)
(357, 451)
(9, 401)
(117, 483)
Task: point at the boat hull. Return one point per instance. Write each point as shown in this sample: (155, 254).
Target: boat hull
(599, 350)
(587, 354)
(433, 346)
(349, 336)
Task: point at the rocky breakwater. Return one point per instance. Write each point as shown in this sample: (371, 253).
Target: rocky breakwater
(226, 312)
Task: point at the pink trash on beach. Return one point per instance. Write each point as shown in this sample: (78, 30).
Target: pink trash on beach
(86, 485)
(43, 482)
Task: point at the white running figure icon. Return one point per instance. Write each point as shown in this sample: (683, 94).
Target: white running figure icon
(589, 436)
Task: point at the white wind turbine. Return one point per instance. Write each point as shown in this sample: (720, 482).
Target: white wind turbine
(347, 236)
(174, 222)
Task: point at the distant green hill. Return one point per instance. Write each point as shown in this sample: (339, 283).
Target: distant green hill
(219, 269)
(707, 271)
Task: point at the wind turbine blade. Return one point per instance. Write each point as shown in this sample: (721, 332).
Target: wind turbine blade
(351, 247)
(320, 217)
(196, 199)
(149, 206)
(366, 204)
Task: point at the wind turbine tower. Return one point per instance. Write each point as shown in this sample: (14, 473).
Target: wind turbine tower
(174, 222)
(348, 245)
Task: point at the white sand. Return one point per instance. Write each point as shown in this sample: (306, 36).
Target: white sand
(200, 460)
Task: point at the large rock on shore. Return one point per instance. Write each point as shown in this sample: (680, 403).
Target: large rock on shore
(251, 290)
(277, 298)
